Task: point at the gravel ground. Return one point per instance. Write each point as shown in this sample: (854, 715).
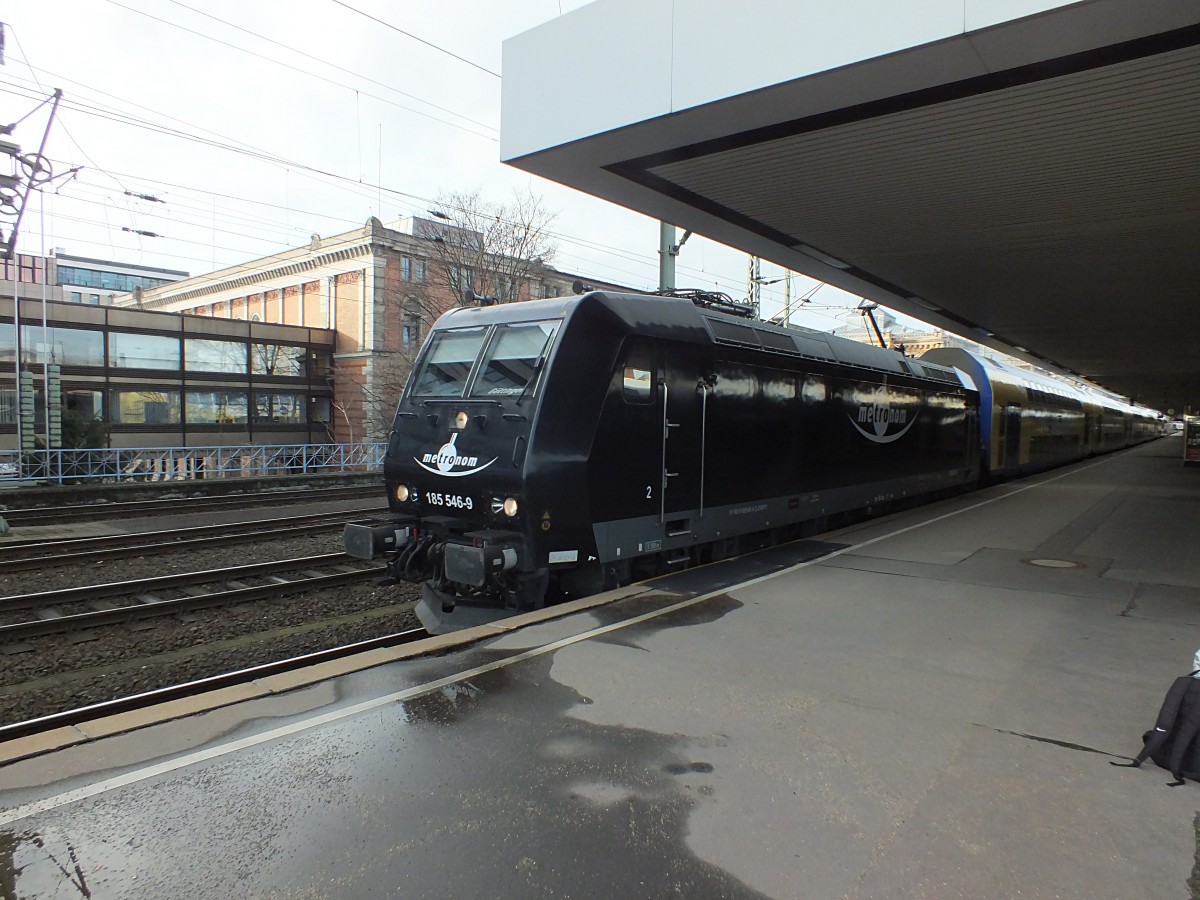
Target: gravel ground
(58, 673)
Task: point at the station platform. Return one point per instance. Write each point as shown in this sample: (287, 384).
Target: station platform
(920, 706)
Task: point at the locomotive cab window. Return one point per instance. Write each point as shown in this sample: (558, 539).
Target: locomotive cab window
(448, 362)
(513, 359)
(638, 378)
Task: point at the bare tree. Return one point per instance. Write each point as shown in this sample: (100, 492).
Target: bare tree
(476, 251)
(483, 249)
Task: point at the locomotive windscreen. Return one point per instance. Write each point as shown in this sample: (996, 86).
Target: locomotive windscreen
(448, 363)
(513, 358)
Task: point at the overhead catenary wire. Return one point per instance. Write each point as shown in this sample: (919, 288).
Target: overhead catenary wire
(647, 263)
(213, 278)
(33, 72)
(413, 202)
(173, 218)
(409, 34)
(263, 155)
(332, 65)
(408, 199)
(309, 74)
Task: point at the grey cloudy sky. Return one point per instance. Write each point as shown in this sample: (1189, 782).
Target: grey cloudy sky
(262, 122)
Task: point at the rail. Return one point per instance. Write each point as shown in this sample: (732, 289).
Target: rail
(74, 466)
(21, 556)
(220, 589)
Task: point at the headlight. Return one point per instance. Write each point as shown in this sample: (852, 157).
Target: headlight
(402, 492)
(510, 506)
(460, 421)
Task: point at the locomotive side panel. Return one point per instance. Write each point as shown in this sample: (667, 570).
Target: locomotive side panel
(747, 446)
(836, 440)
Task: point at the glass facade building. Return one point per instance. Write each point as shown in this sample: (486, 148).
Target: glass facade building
(162, 379)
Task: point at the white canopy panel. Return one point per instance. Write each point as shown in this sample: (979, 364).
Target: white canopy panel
(1029, 182)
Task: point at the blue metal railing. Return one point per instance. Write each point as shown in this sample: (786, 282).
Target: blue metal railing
(64, 466)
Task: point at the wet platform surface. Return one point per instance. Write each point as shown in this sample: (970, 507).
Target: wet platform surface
(919, 706)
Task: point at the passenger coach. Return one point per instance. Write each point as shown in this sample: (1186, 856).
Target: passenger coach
(1030, 422)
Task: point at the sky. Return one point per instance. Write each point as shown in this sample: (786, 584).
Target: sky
(262, 122)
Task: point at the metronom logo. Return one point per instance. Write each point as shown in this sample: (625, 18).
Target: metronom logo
(447, 459)
(880, 417)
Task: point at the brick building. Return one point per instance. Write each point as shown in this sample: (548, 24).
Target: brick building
(378, 288)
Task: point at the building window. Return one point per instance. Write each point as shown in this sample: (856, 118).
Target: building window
(406, 268)
(276, 359)
(412, 330)
(8, 342)
(130, 407)
(214, 356)
(76, 297)
(26, 269)
(63, 346)
(8, 406)
(31, 269)
(279, 408)
(506, 289)
(322, 364)
(321, 410)
(94, 299)
(108, 281)
(418, 271)
(142, 351)
(216, 407)
(460, 279)
(86, 403)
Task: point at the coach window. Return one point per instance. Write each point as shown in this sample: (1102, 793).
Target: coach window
(638, 378)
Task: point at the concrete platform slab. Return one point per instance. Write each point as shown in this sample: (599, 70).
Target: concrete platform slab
(886, 719)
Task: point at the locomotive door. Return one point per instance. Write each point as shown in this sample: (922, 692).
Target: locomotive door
(682, 442)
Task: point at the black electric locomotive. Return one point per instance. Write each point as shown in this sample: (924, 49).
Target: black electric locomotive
(556, 448)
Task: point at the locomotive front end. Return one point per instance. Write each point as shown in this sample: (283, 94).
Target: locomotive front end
(455, 471)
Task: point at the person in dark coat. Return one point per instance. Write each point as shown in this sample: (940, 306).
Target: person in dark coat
(1172, 744)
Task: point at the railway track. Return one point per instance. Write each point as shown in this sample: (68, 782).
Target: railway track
(90, 512)
(23, 555)
(83, 608)
(146, 699)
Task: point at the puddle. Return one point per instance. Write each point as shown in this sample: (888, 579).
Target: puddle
(37, 865)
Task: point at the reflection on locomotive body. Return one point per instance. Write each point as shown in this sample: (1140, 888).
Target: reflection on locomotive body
(560, 447)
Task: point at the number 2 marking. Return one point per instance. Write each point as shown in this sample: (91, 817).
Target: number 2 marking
(647, 492)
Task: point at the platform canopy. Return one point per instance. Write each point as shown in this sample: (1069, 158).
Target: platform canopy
(1025, 173)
